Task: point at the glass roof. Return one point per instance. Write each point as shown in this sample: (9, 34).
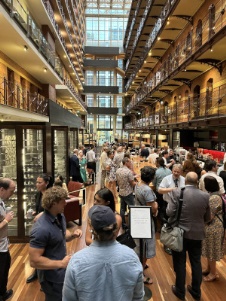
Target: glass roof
(108, 4)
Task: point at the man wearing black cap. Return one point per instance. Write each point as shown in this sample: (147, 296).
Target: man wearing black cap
(106, 270)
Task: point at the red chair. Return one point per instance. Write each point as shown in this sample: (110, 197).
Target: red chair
(73, 210)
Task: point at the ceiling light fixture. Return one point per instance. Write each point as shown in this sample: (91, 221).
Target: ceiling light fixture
(45, 69)
(25, 48)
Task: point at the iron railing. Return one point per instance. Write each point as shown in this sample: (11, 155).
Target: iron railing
(207, 105)
(14, 95)
(185, 49)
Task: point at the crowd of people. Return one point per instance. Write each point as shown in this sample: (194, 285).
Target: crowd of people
(158, 184)
(202, 209)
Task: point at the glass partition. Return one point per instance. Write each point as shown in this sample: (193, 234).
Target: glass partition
(8, 170)
(32, 157)
(60, 153)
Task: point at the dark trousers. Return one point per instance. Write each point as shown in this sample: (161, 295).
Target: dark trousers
(77, 178)
(161, 208)
(92, 165)
(125, 201)
(5, 260)
(194, 248)
(53, 291)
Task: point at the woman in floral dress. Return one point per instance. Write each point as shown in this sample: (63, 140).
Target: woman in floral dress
(213, 244)
(111, 174)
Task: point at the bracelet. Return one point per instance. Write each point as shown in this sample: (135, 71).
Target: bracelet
(6, 221)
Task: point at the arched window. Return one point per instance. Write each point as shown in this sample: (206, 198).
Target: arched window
(211, 20)
(170, 63)
(164, 111)
(198, 42)
(196, 101)
(175, 107)
(164, 71)
(209, 95)
(186, 103)
(188, 45)
(176, 58)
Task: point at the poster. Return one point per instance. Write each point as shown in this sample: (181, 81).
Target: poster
(140, 221)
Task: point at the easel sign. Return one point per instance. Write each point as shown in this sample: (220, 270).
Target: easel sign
(140, 221)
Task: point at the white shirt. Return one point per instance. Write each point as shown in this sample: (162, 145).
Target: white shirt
(90, 156)
(3, 231)
(213, 174)
(168, 182)
(152, 158)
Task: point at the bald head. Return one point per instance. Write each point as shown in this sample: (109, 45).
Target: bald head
(7, 188)
(75, 151)
(191, 178)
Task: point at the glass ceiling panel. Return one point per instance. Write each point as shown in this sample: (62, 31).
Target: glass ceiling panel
(120, 4)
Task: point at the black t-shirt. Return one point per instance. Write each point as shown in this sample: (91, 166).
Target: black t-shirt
(223, 176)
(144, 152)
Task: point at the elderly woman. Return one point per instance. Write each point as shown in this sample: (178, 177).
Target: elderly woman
(103, 197)
(213, 244)
(144, 196)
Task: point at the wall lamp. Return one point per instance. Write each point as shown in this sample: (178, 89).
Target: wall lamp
(45, 69)
(25, 48)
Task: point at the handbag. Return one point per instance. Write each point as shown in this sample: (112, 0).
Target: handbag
(171, 235)
(126, 238)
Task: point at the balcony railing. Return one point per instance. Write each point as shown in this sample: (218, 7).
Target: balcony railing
(132, 24)
(185, 49)
(76, 28)
(61, 10)
(14, 95)
(72, 88)
(27, 23)
(50, 13)
(208, 105)
(158, 25)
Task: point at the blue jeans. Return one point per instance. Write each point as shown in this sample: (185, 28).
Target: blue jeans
(126, 201)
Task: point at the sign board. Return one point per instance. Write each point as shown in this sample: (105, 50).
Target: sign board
(140, 221)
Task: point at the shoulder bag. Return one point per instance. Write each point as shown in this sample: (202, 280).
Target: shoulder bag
(126, 238)
(171, 235)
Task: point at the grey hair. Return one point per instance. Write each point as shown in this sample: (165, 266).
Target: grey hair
(179, 166)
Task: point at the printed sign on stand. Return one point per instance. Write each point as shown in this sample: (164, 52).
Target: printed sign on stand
(140, 221)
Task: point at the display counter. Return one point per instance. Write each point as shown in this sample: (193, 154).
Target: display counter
(211, 154)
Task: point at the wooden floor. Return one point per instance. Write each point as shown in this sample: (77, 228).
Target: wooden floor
(160, 269)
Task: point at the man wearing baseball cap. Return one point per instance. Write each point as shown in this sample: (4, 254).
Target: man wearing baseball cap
(106, 270)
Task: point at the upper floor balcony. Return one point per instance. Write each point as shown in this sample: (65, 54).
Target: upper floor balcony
(13, 95)
(164, 35)
(141, 27)
(32, 51)
(144, 23)
(30, 106)
(199, 51)
(71, 50)
(207, 108)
